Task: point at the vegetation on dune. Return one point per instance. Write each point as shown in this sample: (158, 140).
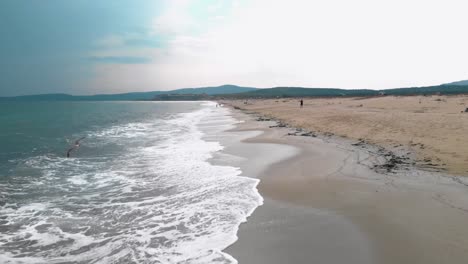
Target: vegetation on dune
(284, 92)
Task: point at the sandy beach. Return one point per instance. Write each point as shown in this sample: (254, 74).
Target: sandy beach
(326, 200)
(434, 128)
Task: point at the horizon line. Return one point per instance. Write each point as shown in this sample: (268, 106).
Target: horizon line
(129, 92)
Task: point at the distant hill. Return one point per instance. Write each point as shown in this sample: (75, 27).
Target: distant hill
(39, 97)
(465, 82)
(301, 91)
(330, 92)
(224, 89)
(438, 89)
(182, 97)
(233, 91)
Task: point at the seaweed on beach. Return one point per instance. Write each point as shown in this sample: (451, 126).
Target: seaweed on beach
(392, 161)
(279, 124)
(303, 133)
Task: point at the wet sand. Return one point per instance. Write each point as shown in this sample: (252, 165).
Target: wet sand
(326, 203)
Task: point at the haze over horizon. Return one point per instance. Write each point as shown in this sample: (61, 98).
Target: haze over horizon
(89, 47)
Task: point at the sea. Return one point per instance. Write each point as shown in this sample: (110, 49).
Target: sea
(140, 187)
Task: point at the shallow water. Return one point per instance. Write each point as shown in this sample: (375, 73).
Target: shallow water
(139, 189)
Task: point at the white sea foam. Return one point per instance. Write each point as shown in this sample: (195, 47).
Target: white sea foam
(159, 201)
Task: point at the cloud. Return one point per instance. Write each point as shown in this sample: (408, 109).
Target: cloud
(322, 43)
(175, 19)
(120, 59)
(140, 39)
(148, 41)
(129, 48)
(110, 41)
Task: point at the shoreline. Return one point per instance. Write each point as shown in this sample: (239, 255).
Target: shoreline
(431, 128)
(403, 216)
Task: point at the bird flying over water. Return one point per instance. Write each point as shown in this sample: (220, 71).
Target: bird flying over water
(77, 142)
(77, 145)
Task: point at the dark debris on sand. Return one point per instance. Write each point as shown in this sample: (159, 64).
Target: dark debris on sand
(303, 133)
(279, 124)
(389, 161)
(392, 161)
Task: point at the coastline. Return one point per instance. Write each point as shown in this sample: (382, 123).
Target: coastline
(431, 128)
(324, 204)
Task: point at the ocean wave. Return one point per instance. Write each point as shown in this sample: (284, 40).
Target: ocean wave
(157, 201)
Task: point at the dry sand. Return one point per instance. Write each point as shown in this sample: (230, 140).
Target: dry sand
(432, 127)
(324, 204)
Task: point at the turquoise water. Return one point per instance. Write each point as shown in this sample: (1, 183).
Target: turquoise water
(139, 189)
(49, 128)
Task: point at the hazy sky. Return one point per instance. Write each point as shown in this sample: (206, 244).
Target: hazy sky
(89, 46)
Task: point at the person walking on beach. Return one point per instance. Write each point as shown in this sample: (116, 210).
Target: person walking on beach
(302, 103)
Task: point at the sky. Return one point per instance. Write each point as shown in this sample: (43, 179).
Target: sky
(91, 47)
